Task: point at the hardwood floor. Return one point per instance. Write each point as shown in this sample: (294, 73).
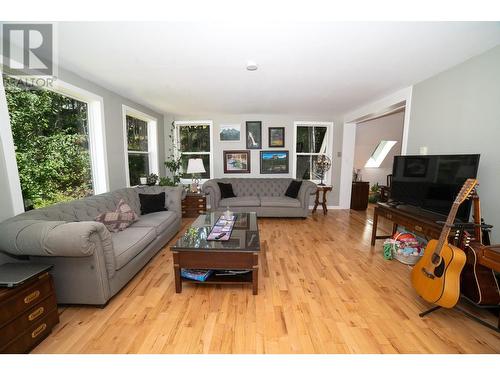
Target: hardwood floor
(322, 289)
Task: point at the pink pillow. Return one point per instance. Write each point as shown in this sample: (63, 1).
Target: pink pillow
(117, 221)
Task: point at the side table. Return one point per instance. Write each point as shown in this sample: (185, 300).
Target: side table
(28, 308)
(325, 189)
(194, 204)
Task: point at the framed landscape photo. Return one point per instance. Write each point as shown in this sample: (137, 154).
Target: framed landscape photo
(272, 162)
(254, 134)
(237, 161)
(230, 133)
(276, 137)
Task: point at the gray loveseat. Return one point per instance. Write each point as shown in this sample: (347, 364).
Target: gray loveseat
(91, 264)
(265, 196)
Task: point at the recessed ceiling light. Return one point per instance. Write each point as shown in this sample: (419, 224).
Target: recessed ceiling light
(251, 65)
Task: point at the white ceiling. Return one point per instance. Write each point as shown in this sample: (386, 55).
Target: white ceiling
(307, 69)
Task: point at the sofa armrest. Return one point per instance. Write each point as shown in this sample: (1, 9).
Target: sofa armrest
(211, 189)
(307, 189)
(58, 239)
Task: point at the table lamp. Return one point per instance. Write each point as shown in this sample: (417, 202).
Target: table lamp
(195, 167)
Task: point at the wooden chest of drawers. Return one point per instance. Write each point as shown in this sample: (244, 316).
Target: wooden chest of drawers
(27, 314)
(194, 205)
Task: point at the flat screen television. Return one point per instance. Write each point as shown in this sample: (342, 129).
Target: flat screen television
(431, 182)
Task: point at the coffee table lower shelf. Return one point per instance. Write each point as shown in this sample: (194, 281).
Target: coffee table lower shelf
(226, 279)
(231, 260)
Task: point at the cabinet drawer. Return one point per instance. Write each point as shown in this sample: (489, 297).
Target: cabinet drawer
(33, 335)
(26, 298)
(26, 319)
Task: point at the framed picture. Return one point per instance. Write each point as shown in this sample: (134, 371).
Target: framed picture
(254, 134)
(230, 133)
(276, 137)
(237, 161)
(273, 162)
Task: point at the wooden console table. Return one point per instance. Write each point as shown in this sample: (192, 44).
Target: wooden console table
(411, 219)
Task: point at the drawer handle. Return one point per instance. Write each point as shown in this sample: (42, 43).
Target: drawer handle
(201, 206)
(32, 296)
(39, 330)
(200, 200)
(418, 227)
(35, 314)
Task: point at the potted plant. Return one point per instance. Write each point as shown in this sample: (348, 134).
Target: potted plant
(374, 194)
(152, 179)
(143, 179)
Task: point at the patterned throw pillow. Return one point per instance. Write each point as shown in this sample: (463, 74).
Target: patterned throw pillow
(122, 218)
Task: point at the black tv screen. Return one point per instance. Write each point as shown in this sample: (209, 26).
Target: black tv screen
(431, 182)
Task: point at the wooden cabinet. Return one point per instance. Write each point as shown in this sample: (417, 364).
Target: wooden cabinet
(27, 314)
(194, 205)
(359, 195)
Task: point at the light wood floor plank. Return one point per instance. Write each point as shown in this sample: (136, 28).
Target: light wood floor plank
(322, 289)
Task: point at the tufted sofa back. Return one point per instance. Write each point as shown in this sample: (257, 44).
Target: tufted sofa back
(87, 209)
(255, 187)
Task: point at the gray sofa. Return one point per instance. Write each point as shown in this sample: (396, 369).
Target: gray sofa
(91, 264)
(265, 196)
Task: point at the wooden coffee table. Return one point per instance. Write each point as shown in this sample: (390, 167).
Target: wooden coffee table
(240, 252)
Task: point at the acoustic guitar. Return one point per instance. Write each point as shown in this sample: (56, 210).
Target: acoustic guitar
(436, 276)
(478, 283)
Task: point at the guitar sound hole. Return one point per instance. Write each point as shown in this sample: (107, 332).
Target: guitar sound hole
(439, 270)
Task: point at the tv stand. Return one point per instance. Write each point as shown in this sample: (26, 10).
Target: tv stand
(412, 218)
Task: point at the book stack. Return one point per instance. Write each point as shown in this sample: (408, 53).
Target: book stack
(198, 275)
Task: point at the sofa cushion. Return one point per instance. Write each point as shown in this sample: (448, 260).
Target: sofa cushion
(152, 203)
(226, 190)
(160, 221)
(130, 242)
(240, 202)
(279, 202)
(293, 189)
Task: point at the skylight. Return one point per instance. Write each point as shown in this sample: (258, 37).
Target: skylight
(379, 154)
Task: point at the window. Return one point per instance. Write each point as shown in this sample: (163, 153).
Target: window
(380, 154)
(311, 140)
(52, 144)
(141, 145)
(193, 139)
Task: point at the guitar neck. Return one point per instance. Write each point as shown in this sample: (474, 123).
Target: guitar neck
(465, 191)
(445, 233)
(478, 233)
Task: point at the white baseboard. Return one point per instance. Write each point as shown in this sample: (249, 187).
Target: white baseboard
(329, 207)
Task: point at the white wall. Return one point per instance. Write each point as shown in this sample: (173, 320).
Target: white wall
(458, 111)
(286, 121)
(368, 136)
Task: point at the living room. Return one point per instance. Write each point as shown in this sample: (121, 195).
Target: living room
(293, 187)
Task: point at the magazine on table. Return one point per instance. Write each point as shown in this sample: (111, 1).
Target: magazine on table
(222, 228)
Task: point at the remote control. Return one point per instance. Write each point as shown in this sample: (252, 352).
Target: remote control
(220, 236)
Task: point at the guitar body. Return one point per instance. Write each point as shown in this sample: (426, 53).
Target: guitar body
(478, 283)
(439, 284)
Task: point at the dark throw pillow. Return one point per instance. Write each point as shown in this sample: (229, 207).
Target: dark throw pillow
(293, 189)
(226, 190)
(152, 203)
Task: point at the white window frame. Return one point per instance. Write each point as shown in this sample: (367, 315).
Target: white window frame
(97, 134)
(328, 149)
(97, 142)
(178, 153)
(152, 140)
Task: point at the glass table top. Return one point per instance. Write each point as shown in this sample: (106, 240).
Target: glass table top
(244, 237)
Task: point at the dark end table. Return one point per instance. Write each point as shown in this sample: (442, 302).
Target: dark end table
(325, 189)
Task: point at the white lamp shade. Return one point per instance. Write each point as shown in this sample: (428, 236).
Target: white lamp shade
(195, 166)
